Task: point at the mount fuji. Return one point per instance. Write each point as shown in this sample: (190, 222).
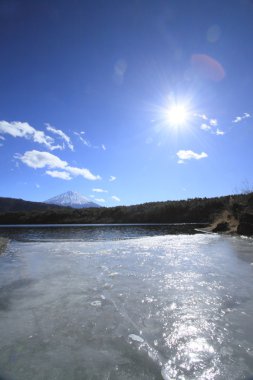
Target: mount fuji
(72, 199)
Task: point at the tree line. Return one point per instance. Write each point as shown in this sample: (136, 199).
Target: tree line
(196, 210)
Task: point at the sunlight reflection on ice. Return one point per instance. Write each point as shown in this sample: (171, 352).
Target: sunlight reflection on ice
(171, 305)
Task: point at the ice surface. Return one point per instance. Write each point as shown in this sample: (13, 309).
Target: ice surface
(64, 316)
(136, 338)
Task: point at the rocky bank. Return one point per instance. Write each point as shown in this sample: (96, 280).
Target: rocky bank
(237, 219)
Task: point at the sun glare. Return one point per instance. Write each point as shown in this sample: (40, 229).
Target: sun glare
(177, 115)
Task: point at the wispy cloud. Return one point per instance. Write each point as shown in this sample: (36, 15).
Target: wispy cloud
(185, 155)
(38, 160)
(61, 134)
(101, 200)
(85, 173)
(100, 191)
(112, 178)
(116, 199)
(119, 71)
(57, 174)
(238, 119)
(201, 116)
(25, 130)
(82, 139)
(205, 127)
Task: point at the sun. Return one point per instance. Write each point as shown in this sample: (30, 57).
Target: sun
(177, 115)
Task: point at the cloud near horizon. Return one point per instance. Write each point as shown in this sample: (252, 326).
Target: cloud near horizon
(100, 191)
(185, 155)
(116, 199)
(38, 160)
(101, 200)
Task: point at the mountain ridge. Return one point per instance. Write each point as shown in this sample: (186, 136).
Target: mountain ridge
(71, 199)
(8, 204)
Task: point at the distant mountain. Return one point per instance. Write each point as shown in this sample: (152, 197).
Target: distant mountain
(72, 199)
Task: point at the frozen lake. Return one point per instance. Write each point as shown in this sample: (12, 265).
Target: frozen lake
(133, 303)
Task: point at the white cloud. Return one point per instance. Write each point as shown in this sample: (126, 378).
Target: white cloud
(112, 178)
(60, 133)
(103, 147)
(37, 186)
(85, 173)
(24, 130)
(201, 116)
(184, 155)
(57, 174)
(209, 122)
(213, 122)
(238, 119)
(205, 127)
(99, 191)
(82, 139)
(101, 200)
(116, 199)
(219, 132)
(39, 160)
(210, 127)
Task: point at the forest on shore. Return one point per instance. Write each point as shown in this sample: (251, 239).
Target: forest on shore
(197, 210)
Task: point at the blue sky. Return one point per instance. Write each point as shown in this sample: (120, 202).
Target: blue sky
(87, 90)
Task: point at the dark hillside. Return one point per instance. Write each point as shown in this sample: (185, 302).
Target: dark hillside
(197, 210)
(16, 205)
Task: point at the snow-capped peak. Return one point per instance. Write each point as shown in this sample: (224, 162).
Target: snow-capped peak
(72, 199)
